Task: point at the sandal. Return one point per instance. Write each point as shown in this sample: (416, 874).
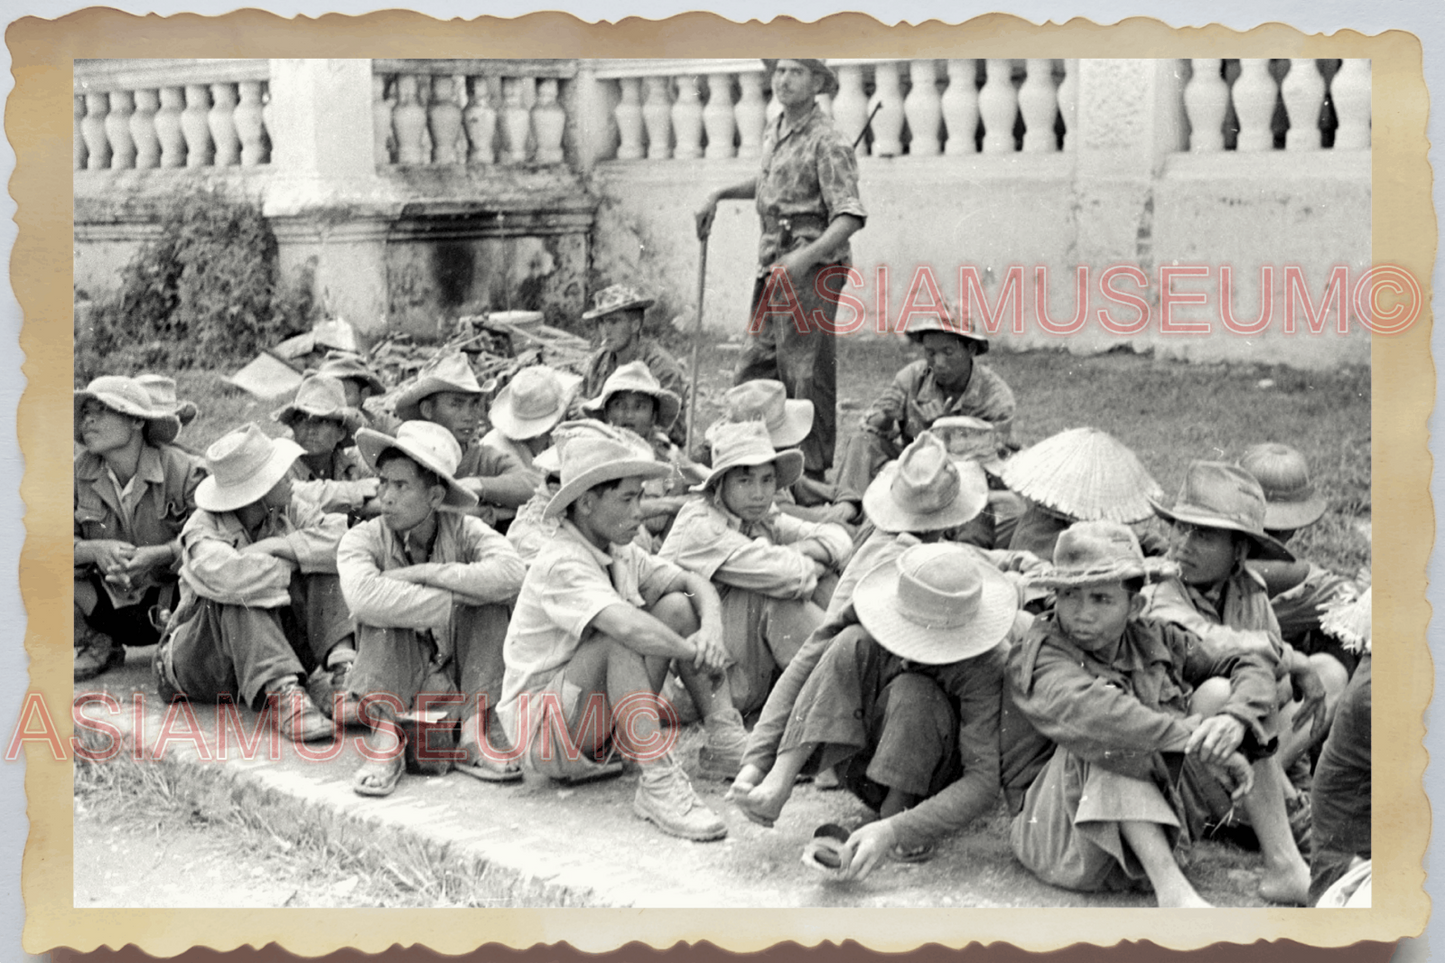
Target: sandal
(393, 776)
(488, 771)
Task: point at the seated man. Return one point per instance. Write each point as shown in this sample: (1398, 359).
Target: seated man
(526, 411)
(945, 381)
(1218, 524)
(774, 573)
(632, 398)
(363, 388)
(595, 628)
(906, 700)
(429, 589)
(1128, 700)
(1299, 590)
(260, 603)
(133, 493)
(447, 394)
(329, 472)
(618, 311)
(788, 421)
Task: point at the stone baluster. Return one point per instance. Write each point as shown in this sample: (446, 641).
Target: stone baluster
(480, 120)
(850, 105)
(657, 115)
(629, 118)
(249, 119)
(751, 114)
(1254, 96)
(1039, 104)
(1206, 101)
(687, 119)
(267, 144)
(825, 104)
(168, 127)
(549, 121)
(143, 130)
(444, 121)
(923, 108)
(998, 106)
(222, 122)
(117, 130)
(888, 123)
(381, 107)
(92, 128)
(1303, 91)
(1069, 102)
(80, 150)
(516, 118)
(408, 121)
(960, 108)
(1350, 92)
(194, 126)
(718, 116)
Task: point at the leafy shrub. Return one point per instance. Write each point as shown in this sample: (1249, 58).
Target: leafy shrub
(206, 292)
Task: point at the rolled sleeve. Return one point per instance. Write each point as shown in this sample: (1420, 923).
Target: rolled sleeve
(838, 179)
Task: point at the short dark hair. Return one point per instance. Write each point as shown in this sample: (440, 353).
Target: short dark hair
(427, 476)
(1134, 585)
(600, 488)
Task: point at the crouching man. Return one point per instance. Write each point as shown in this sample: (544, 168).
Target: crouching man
(260, 604)
(596, 626)
(429, 588)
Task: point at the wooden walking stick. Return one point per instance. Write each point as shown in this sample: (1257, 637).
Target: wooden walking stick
(696, 342)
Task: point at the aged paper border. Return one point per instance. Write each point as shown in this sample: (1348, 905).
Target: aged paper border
(1403, 234)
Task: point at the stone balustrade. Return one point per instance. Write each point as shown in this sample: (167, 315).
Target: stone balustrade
(717, 109)
(445, 112)
(145, 114)
(1262, 105)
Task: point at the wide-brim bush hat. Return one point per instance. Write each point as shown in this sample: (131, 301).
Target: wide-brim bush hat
(429, 445)
(449, 372)
(345, 366)
(970, 438)
(819, 68)
(533, 402)
(321, 396)
(947, 320)
(1216, 495)
(1094, 553)
(588, 462)
(740, 443)
(1084, 474)
(549, 460)
(1289, 498)
(636, 376)
(788, 420)
(925, 490)
(618, 297)
(244, 465)
(164, 397)
(936, 603)
(128, 397)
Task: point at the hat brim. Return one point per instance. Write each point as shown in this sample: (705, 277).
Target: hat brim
(885, 513)
(408, 402)
(788, 464)
(668, 404)
(983, 343)
(797, 423)
(1268, 547)
(211, 497)
(161, 427)
(504, 418)
(1151, 570)
(595, 313)
(372, 444)
(876, 601)
(350, 418)
(1292, 515)
(829, 78)
(574, 488)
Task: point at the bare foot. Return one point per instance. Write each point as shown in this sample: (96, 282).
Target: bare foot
(1289, 885)
(764, 802)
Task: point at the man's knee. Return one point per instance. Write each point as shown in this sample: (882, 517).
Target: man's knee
(916, 701)
(675, 611)
(1210, 697)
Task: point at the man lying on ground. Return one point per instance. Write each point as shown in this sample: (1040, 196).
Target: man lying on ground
(429, 588)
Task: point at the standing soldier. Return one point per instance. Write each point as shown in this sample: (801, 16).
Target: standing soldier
(807, 198)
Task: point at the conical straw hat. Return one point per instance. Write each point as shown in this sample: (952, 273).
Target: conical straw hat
(1085, 474)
